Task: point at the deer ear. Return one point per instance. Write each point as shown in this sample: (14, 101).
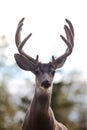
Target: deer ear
(60, 63)
(24, 63)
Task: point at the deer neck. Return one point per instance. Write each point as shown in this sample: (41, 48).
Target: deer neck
(42, 99)
(40, 112)
(40, 115)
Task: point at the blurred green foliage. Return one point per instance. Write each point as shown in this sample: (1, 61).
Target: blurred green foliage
(7, 110)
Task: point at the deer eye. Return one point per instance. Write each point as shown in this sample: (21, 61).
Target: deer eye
(52, 72)
(37, 71)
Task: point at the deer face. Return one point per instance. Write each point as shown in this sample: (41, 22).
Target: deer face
(44, 75)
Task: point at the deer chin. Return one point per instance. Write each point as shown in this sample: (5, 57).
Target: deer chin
(43, 90)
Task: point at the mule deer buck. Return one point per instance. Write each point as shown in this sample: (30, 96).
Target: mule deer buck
(40, 115)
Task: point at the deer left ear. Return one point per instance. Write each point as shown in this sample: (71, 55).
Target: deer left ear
(24, 63)
(59, 63)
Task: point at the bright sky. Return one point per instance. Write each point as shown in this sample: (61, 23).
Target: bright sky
(45, 19)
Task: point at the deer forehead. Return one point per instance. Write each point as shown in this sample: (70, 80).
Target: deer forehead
(45, 67)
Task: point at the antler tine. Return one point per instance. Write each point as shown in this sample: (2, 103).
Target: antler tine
(17, 35)
(20, 44)
(69, 30)
(71, 26)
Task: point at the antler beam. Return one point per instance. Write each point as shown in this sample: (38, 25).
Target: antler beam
(20, 44)
(69, 40)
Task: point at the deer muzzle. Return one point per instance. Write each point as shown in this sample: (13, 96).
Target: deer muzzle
(45, 84)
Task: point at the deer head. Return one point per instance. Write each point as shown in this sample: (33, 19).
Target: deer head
(44, 72)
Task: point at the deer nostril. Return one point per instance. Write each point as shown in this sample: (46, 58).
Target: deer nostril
(46, 84)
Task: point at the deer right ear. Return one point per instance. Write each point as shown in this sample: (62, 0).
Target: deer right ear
(24, 63)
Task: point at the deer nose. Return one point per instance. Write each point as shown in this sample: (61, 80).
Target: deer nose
(46, 84)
